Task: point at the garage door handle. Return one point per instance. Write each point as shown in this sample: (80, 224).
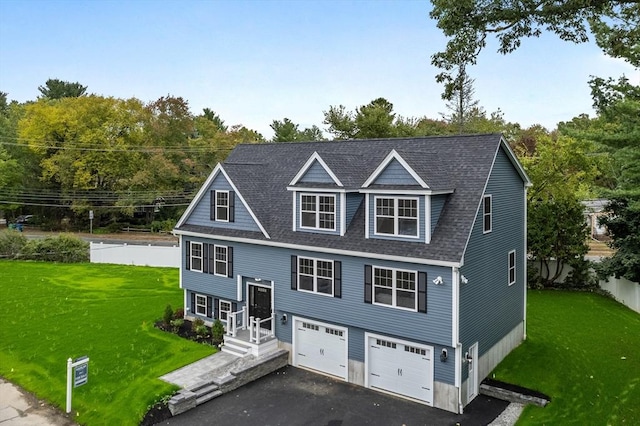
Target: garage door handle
(374, 374)
(399, 371)
(299, 354)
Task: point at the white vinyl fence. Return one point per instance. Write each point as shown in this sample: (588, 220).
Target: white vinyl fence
(140, 255)
(624, 291)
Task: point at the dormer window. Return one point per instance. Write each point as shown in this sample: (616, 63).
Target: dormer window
(318, 212)
(397, 216)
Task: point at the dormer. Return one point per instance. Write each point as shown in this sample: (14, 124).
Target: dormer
(398, 199)
(319, 198)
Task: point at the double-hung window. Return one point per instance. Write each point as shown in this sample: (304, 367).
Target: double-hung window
(196, 256)
(315, 275)
(394, 287)
(512, 267)
(487, 214)
(220, 260)
(222, 206)
(396, 216)
(201, 305)
(318, 212)
(224, 309)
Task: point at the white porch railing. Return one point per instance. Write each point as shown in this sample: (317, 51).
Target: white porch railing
(258, 333)
(237, 321)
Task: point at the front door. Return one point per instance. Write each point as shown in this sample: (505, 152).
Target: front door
(260, 303)
(472, 389)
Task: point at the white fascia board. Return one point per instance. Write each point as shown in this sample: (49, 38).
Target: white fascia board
(343, 214)
(427, 219)
(315, 157)
(455, 307)
(328, 250)
(405, 191)
(181, 245)
(199, 195)
(311, 189)
(393, 155)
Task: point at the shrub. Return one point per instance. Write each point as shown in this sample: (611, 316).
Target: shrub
(581, 276)
(164, 225)
(176, 324)
(168, 315)
(11, 243)
(217, 331)
(196, 323)
(178, 313)
(63, 248)
(202, 330)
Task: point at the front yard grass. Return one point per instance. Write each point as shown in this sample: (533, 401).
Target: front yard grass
(583, 350)
(51, 312)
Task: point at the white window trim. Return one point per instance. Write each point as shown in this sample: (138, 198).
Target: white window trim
(226, 207)
(317, 211)
(195, 308)
(395, 216)
(490, 214)
(394, 288)
(512, 267)
(220, 310)
(215, 261)
(201, 257)
(315, 275)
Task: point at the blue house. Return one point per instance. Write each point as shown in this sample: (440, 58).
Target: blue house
(395, 264)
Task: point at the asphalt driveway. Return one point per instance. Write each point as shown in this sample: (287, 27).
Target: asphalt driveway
(292, 396)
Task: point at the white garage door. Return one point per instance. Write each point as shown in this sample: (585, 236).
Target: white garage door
(321, 347)
(400, 367)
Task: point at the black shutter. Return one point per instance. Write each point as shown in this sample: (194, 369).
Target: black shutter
(211, 259)
(193, 303)
(209, 306)
(212, 206)
(294, 272)
(205, 258)
(187, 246)
(422, 292)
(216, 305)
(230, 262)
(367, 283)
(232, 206)
(337, 279)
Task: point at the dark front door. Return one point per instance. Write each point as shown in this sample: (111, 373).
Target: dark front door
(260, 303)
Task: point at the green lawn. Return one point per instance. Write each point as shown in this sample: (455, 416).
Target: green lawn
(51, 312)
(583, 350)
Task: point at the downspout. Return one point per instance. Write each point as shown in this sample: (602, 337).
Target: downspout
(455, 338)
(524, 257)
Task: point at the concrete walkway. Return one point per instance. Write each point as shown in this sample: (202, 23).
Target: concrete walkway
(203, 370)
(20, 408)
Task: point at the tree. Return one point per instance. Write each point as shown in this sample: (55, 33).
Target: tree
(288, 131)
(374, 120)
(467, 23)
(563, 171)
(214, 118)
(623, 224)
(58, 89)
(462, 104)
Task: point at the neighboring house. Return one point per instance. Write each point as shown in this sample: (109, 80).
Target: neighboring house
(593, 210)
(395, 264)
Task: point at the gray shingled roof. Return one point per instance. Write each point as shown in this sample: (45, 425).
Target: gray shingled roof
(262, 172)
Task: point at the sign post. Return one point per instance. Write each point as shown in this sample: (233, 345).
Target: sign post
(91, 221)
(77, 374)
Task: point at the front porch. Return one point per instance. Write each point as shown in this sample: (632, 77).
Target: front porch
(247, 335)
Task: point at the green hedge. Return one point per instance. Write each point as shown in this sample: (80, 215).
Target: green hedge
(64, 248)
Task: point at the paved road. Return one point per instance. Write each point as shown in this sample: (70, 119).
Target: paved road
(293, 396)
(120, 238)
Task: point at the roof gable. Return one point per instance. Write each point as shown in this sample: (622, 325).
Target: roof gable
(390, 165)
(317, 171)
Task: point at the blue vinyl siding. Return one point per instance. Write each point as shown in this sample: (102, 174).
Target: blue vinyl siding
(316, 174)
(274, 265)
(437, 204)
(353, 203)
(201, 215)
(395, 174)
(489, 307)
(372, 219)
(337, 213)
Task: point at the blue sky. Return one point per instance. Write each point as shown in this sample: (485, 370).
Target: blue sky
(256, 61)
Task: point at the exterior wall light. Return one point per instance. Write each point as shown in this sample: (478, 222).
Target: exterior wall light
(443, 355)
(463, 279)
(283, 320)
(438, 280)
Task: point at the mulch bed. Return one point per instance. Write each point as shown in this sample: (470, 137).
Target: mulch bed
(160, 411)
